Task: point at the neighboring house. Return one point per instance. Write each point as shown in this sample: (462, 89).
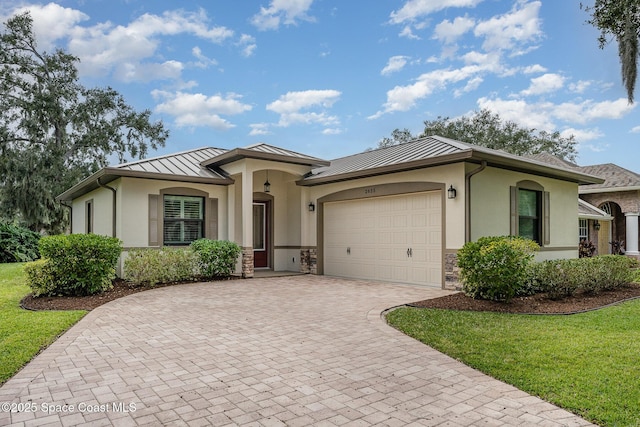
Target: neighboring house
(614, 224)
(395, 214)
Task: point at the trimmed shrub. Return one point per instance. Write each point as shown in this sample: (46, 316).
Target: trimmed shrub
(216, 258)
(17, 244)
(562, 278)
(166, 265)
(495, 268)
(41, 278)
(80, 264)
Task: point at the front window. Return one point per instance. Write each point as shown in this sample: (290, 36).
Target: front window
(183, 219)
(529, 212)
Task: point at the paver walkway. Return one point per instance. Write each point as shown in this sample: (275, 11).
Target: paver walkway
(294, 351)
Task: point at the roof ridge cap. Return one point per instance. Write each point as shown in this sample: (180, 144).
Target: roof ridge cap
(163, 156)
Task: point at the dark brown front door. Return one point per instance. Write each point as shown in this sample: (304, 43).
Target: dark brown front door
(261, 234)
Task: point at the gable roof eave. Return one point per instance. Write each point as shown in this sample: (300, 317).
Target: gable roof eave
(109, 174)
(248, 153)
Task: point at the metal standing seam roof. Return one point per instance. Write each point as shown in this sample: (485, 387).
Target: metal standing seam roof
(264, 152)
(430, 151)
(186, 163)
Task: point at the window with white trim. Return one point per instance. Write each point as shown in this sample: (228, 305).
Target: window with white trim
(183, 219)
(583, 230)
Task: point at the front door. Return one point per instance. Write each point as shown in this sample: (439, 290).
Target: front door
(260, 234)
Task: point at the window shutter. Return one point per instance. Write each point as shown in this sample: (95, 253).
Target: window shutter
(153, 220)
(513, 223)
(211, 231)
(546, 223)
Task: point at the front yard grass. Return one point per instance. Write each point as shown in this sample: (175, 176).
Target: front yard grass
(586, 363)
(24, 333)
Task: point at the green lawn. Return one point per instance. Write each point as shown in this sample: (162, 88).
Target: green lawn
(586, 363)
(24, 333)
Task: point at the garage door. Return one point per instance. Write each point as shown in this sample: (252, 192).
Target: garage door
(394, 238)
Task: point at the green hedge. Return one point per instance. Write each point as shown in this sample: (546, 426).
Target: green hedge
(495, 268)
(204, 259)
(75, 265)
(563, 278)
(166, 265)
(17, 244)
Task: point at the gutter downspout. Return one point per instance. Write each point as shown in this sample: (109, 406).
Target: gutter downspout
(113, 224)
(467, 200)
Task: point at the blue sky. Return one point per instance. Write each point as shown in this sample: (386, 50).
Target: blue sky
(332, 77)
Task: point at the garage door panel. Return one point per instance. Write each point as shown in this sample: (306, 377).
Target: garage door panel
(394, 238)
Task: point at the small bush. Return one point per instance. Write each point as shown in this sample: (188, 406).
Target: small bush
(81, 264)
(17, 244)
(216, 258)
(494, 268)
(558, 278)
(41, 278)
(166, 265)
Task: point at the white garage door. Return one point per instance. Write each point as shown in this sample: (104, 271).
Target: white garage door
(394, 238)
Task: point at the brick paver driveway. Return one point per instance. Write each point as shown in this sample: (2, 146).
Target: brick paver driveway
(301, 350)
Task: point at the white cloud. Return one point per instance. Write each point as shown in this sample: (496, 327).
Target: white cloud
(395, 63)
(533, 69)
(248, 45)
(513, 29)
(448, 32)
(635, 129)
(291, 104)
(259, 129)
(403, 98)
(544, 84)
(586, 111)
(471, 85)
(146, 72)
(332, 131)
(546, 115)
(581, 86)
(414, 9)
(279, 12)
(52, 22)
(582, 135)
(197, 109)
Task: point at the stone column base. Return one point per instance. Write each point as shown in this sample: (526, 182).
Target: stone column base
(247, 262)
(452, 272)
(309, 261)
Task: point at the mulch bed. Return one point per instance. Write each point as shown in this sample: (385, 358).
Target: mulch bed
(120, 289)
(535, 304)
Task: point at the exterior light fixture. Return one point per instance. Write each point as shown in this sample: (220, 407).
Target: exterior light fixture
(451, 192)
(312, 207)
(596, 225)
(267, 184)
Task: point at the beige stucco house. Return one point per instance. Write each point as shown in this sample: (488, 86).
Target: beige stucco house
(395, 214)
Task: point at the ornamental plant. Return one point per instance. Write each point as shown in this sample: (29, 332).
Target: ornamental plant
(495, 268)
(75, 265)
(166, 265)
(17, 244)
(216, 258)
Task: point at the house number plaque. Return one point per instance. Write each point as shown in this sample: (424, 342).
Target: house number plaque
(369, 190)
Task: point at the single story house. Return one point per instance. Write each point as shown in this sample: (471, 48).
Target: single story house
(393, 214)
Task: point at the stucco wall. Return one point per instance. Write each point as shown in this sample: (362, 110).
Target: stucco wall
(133, 211)
(490, 207)
(102, 211)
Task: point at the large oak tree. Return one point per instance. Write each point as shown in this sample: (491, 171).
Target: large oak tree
(487, 129)
(54, 131)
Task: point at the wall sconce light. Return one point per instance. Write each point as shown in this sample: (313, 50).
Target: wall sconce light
(451, 192)
(596, 225)
(267, 184)
(312, 207)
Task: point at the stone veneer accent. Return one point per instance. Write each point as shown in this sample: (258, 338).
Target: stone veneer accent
(451, 272)
(309, 260)
(247, 262)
